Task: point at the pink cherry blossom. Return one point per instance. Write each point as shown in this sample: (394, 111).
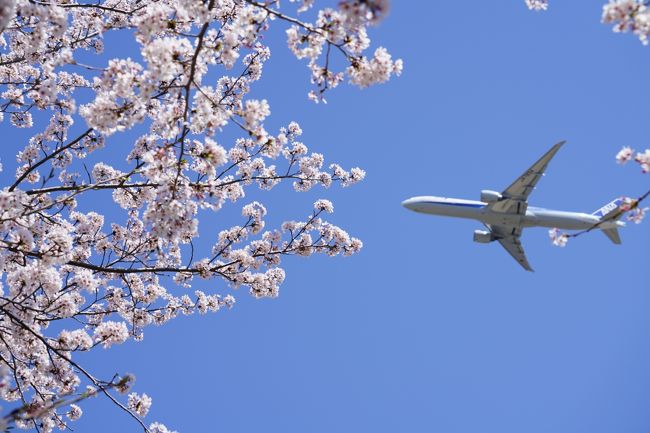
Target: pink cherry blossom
(106, 281)
(644, 160)
(537, 5)
(558, 238)
(637, 215)
(628, 16)
(624, 155)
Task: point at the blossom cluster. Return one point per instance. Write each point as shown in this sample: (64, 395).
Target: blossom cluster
(642, 158)
(537, 5)
(558, 238)
(192, 68)
(628, 16)
(343, 30)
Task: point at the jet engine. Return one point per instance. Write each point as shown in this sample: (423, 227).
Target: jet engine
(488, 196)
(483, 236)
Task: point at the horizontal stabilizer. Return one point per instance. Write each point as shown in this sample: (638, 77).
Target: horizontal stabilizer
(612, 234)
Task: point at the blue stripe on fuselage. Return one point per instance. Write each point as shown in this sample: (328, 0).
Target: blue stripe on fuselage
(474, 205)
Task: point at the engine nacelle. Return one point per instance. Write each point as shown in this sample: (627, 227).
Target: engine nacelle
(483, 236)
(488, 196)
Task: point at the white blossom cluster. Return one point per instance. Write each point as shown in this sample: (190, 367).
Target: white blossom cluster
(628, 16)
(103, 281)
(631, 16)
(537, 5)
(342, 30)
(558, 238)
(636, 213)
(627, 153)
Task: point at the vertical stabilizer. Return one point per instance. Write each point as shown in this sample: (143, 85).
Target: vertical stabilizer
(611, 210)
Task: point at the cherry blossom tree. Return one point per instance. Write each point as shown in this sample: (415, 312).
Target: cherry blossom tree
(102, 282)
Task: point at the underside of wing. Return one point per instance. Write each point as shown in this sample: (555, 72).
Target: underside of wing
(513, 246)
(521, 188)
(508, 237)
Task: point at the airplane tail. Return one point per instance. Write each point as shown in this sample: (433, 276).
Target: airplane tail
(612, 234)
(612, 211)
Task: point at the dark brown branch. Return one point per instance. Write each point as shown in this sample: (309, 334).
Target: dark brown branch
(48, 157)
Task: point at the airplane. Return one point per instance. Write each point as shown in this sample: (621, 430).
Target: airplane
(506, 214)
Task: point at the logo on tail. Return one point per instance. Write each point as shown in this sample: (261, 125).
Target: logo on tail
(610, 209)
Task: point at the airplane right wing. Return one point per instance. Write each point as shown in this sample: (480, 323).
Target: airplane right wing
(508, 237)
(515, 197)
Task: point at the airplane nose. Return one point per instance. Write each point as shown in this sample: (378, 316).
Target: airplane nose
(409, 203)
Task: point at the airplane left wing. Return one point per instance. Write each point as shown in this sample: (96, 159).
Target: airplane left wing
(516, 195)
(508, 237)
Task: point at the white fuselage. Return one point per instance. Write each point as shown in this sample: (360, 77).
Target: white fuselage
(478, 210)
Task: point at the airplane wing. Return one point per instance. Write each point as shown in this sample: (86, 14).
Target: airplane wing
(508, 237)
(516, 195)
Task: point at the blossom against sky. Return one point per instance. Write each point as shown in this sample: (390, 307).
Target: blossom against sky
(425, 330)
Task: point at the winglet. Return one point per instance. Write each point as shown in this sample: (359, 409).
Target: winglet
(552, 151)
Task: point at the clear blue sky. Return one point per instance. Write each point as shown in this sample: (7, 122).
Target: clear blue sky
(425, 331)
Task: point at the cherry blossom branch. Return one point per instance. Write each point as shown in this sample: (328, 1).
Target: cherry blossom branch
(49, 157)
(309, 28)
(76, 366)
(89, 6)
